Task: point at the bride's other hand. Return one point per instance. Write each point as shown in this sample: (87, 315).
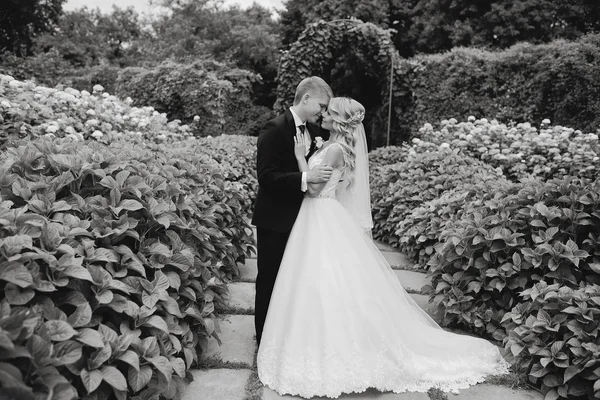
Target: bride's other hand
(299, 146)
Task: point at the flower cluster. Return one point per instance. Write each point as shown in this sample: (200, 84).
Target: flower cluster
(520, 150)
(36, 111)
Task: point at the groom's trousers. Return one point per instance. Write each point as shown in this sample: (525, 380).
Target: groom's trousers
(270, 249)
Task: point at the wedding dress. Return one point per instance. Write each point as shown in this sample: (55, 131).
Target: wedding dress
(339, 321)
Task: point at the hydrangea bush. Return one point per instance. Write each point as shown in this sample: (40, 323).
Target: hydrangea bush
(397, 189)
(27, 110)
(115, 248)
(514, 259)
(520, 150)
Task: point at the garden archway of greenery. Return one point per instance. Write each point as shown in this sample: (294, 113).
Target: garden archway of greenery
(323, 43)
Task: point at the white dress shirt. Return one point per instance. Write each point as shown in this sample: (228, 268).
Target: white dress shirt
(307, 140)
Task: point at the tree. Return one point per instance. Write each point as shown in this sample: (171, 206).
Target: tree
(439, 25)
(86, 37)
(248, 38)
(299, 13)
(431, 26)
(22, 20)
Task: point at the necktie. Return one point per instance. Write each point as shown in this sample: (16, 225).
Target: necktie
(306, 139)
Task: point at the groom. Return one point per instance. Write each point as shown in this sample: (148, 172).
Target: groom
(282, 186)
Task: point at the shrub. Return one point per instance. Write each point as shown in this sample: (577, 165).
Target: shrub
(559, 80)
(520, 151)
(220, 96)
(110, 256)
(420, 230)
(398, 188)
(387, 155)
(236, 155)
(553, 335)
(51, 69)
(510, 239)
(115, 252)
(27, 110)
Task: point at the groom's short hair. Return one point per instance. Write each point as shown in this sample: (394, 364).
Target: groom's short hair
(313, 84)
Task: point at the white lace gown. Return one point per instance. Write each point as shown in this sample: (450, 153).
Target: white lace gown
(339, 320)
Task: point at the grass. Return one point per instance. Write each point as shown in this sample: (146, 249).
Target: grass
(512, 380)
(246, 280)
(234, 310)
(436, 394)
(215, 362)
(254, 387)
(407, 268)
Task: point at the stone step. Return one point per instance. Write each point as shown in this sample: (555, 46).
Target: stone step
(237, 335)
(412, 280)
(396, 259)
(370, 394)
(248, 270)
(217, 384)
(493, 392)
(242, 295)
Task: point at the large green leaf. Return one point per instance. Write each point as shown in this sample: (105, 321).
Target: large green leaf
(91, 379)
(59, 331)
(138, 379)
(114, 377)
(16, 274)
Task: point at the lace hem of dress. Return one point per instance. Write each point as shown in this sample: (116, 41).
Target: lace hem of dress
(330, 376)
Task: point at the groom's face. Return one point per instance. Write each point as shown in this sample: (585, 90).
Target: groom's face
(315, 105)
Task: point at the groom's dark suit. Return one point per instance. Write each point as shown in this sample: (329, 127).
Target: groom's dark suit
(277, 204)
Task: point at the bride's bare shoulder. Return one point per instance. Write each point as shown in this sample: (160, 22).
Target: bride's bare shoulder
(334, 156)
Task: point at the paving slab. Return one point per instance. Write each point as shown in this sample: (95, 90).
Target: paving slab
(370, 394)
(492, 392)
(237, 335)
(249, 270)
(217, 384)
(412, 280)
(397, 259)
(241, 295)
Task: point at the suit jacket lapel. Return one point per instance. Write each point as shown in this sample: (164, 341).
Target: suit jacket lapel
(291, 125)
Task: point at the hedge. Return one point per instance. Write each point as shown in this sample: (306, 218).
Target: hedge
(525, 83)
(218, 98)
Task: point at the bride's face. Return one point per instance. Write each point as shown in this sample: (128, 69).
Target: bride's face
(327, 122)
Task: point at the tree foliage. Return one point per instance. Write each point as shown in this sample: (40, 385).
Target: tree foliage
(248, 38)
(430, 26)
(22, 20)
(87, 37)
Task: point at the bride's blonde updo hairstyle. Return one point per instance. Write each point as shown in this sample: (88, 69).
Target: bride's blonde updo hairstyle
(347, 115)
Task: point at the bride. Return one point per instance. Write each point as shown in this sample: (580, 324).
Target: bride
(339, 321)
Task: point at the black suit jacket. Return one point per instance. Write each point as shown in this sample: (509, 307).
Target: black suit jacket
(279, 178)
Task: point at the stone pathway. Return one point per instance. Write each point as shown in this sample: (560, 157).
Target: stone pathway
(234, 362)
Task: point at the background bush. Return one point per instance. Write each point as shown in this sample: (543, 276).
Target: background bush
(397, 189)
(525, 83)
(114, 250)
(509, 237)
(553, 336)
(219, 95)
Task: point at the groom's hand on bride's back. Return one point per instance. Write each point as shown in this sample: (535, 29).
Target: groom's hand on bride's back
(319, 174)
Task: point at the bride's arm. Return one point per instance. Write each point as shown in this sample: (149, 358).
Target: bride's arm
(333, 158)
